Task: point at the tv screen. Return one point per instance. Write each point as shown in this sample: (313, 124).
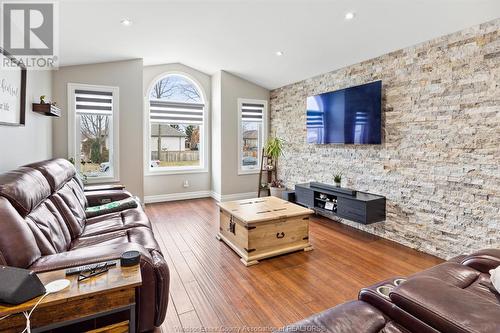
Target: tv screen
(347, 116)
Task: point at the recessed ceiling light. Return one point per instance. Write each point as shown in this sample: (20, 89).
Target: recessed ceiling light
(126, 22)
(279, 53)
(349, 15)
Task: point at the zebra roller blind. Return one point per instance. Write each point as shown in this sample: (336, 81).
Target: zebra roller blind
(94, 102)
(176, 113)
(252, 112)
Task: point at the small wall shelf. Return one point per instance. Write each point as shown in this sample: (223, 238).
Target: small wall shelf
(47, 109)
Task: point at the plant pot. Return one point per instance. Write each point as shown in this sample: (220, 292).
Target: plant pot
(337, 184)
(277, 191)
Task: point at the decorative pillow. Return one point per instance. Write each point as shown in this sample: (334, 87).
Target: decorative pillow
(112, 207)
(495, 278)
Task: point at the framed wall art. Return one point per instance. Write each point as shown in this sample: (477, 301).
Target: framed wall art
(12, 90)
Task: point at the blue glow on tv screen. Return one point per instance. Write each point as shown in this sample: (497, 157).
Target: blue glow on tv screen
(347, 116)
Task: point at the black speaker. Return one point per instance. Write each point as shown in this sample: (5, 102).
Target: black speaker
(19, 285)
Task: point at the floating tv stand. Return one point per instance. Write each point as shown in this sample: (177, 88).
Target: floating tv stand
(331, 201)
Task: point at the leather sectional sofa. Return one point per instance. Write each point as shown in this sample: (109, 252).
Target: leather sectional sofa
(453, 297)
(43, 226)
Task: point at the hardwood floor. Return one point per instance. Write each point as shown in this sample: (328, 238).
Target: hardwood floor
(210, 288)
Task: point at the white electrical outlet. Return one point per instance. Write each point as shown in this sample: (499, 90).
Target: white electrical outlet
(186, 183)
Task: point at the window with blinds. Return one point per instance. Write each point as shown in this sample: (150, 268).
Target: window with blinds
(175, 112)
(251, 134)
(94, 102)
(176, 125)
(95, 141)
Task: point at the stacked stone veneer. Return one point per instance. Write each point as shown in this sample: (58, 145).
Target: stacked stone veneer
(439, 164)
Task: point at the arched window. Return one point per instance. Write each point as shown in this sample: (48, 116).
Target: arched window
(177, 116)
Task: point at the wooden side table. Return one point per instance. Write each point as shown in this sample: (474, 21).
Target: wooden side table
(98, 296)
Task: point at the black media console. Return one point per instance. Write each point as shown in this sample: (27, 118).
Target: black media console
(331, 201)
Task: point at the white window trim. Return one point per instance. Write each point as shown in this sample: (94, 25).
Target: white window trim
(73, 144)
(240, 139)
(204, 152)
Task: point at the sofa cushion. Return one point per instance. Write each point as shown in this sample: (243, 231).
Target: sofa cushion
(355, 316)
(18, 246)
(71, 201)
(25, 188)
(57, 171)
(140, 235)
(129, 218)
(49, 228)
(452, 273)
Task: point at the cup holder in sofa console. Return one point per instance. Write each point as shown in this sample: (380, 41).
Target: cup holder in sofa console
(397, 282)
(384, 291)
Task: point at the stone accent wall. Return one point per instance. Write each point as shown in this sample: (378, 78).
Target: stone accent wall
(439, 164)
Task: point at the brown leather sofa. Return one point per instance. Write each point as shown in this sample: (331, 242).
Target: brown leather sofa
(43, 227)
(453, 297)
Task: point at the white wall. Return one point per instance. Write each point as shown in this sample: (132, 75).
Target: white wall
(33, 142)
(231, 88)
(127, 75)
(167, 186)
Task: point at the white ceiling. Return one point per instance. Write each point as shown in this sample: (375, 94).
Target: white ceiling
(242, 36)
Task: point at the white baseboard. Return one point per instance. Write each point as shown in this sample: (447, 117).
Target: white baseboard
(199, 194)
(176, 196)
(235, 196)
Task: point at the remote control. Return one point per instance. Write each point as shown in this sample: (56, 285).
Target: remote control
(79, 269)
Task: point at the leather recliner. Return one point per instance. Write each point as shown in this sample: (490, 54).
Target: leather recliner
(43, 227)
(453, 297)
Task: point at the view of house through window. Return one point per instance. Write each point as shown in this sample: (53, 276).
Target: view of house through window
(176, 117)
(94, 132)
(251, 138)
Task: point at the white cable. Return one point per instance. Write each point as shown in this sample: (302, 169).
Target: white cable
(5, 317)
(28, 315)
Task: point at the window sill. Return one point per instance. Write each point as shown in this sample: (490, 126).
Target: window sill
(100, 180)
(174, 172)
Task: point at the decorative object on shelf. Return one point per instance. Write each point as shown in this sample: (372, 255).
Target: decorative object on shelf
(42, 99)
(47, 109)
(277, 187)
(13, 92)
(337, 178)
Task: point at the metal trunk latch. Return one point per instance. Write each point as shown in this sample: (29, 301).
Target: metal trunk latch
(232, 225)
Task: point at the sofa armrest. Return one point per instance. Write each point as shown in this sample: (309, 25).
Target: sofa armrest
(446, 307)
(96, 198)
(483, 260)
(107, 187)
(88, 255)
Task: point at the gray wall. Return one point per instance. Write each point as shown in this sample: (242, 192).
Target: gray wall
(159, 187)
(439, 163)
(33, 142)
(232, 87)
(216, 133)
(127, 75)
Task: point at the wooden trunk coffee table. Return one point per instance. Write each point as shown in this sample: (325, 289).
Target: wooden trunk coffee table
(264, 227)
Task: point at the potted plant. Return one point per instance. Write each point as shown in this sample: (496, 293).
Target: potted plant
(274, 149)
(337, 178)
(276, 188)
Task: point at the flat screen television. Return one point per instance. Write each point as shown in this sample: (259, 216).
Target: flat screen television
(347, 116)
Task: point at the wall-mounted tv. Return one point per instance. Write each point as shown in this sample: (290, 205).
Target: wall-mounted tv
(347, 116)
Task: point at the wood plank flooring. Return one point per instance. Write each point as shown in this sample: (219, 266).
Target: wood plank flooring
(211, 289)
